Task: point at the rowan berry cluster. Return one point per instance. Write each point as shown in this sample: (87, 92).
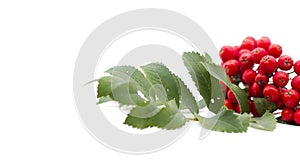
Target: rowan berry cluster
(259, 67)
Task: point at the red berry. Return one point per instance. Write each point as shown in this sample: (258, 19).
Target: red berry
(231, 67)
(264, 42)
(242, 51)
(290, 98)
(297, 116)
(253, 109)
(255, 90)
(227, 52)
(275, 50)
(248, 43)
(296, 83)
(268, 64)
(280, 79)
(297, 67)
(258, 54)
(280, 104)
(285, 62)
(231, 97)
(287, 115)
(271, 93)
(248, 76)
(245, 61)
(229, 105)
(261, 79)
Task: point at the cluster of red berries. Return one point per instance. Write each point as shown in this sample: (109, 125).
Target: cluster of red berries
(259, 67)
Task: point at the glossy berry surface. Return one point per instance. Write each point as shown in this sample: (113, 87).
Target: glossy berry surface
(296, 83)
(264, 42)
(261, 79)
(231, 67)
(287, 115)
(227, 52)
(297, 67)
(268, 64)
(280, 79)
(296, 116)
(290, 98)
(275, 50)
(258, 54)
(248, 76)
(285, 62)
(271, 93)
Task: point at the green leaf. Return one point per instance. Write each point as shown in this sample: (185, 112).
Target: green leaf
(168, 117)
(208, 86)
(199, 74)
(226, 121)
(104, 87)
(104, 99)
(130, 73)
(241, 96)
(262, 105)
(187, 98)
(266, 122)
(158, 74)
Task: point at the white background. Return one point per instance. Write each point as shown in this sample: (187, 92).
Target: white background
(39, 42)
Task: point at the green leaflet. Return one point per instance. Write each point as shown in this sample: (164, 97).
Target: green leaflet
(226, 121)
(199, 74)
(266, 122)
(160, 75)
(207, 85)
(168, 117)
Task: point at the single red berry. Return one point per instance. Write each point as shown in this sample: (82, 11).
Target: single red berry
(255, 90)
(290, 98)
(227, 52)
(280, 79)
(248, 43)
(287, 115)
(296, 116)
(229, 105)
(296, 83)
(285, 62)
(258, 54)
(245, 61)
(261, 79)
(242, 51)
(271, 93)
(253, 109)
(231, 67)
(268, 64)
(231, 97)
(264, 42)
(248, 76)
(280, 104)
(297, 67)
(275, 50)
